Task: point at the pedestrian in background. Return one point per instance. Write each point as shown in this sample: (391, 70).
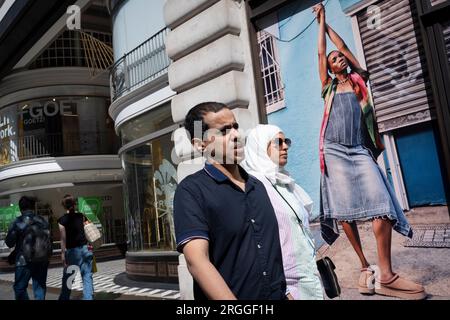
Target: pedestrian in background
(30, 236)
(75, 254)
(266, 155)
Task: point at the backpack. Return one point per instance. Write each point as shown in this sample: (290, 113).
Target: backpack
(36, 242)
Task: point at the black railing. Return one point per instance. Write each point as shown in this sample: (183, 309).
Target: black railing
(141, 65)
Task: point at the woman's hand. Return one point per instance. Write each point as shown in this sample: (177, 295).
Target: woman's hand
(319, 10)
(63, 259)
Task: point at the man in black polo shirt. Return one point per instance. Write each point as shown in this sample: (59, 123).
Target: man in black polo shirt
(224, 221)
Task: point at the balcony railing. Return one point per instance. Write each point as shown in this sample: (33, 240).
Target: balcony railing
(140, 66)
(58, 145)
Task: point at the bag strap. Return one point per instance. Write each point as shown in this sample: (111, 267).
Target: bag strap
(86, 219)
(295, 212)
(302, 226)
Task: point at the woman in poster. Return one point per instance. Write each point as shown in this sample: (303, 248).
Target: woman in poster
(353, 187)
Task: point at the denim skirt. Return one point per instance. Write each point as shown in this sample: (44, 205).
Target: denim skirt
(354, 188)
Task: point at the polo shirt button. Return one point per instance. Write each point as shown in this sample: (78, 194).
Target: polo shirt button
(264, 273)
(259, 246)
(253, 220)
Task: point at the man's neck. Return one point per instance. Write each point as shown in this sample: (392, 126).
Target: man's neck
(230, 170)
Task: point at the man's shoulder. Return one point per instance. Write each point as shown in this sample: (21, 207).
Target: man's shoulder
(16, 223)
(193, 180)
(260, 181)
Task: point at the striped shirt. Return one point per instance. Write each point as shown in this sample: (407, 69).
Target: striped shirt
(297, 248)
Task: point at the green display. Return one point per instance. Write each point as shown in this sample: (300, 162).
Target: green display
(7, 216)
(91, 207)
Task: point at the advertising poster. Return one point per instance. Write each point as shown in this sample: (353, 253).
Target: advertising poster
(7, 215)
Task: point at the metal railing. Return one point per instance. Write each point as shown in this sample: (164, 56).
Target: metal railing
(141, 65)
(58, 145)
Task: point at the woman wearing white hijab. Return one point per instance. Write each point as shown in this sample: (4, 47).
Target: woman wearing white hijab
(265, 157)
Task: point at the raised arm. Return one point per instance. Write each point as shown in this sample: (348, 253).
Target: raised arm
(204, 272)
(342, 47)
(322, 41)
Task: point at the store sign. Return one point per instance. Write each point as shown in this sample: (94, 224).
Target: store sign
(91, 207)
(6, 130)
(30, 123)
(34, 115)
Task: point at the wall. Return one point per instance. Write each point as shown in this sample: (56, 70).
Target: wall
(418, 154)
(135, 22)
(301, 118)
(347, 4)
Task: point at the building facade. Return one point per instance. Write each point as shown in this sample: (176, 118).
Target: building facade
(56, 136)
(153, 87)
(141, 110)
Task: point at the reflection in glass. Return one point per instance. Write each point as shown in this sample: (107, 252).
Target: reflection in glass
(150, 183)
(446, 31)
(152, 121)
(436, 2)
(54, 127)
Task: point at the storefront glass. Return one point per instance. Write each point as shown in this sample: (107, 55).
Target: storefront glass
(54, 127)
(101, 203)
(149, 188)
(152, 121)
(446, 31)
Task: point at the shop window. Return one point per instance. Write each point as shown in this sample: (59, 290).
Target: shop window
(150, 183)
(55, 127)
(270, 70)
(151, 121)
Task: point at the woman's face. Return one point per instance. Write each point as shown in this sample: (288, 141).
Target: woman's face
(278, 149)
(337, 62)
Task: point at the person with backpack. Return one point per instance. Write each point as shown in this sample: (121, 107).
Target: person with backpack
(29, 234)
(75, 253)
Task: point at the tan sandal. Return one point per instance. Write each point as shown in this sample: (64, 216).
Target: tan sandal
(366, 283)
(400, 288)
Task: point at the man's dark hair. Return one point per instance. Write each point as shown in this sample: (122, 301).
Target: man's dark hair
(197, 113)
(27, 203)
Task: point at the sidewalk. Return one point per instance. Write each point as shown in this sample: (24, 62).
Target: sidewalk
(426, 265)
(429, 266)
(110, 283)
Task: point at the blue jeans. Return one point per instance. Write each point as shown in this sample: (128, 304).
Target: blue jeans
(35, 271)
(79, 258)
